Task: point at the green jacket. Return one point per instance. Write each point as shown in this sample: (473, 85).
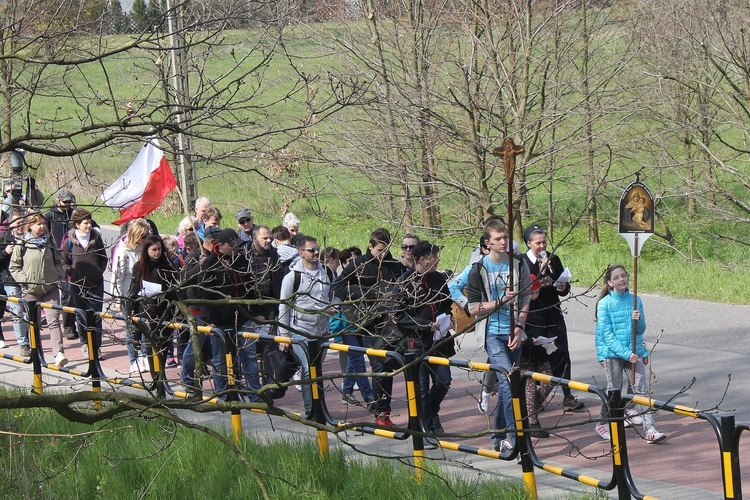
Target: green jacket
(37, 268)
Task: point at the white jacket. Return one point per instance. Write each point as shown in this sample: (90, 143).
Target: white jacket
(302, 309)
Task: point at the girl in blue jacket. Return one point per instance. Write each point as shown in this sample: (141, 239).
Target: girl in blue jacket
(614, 346)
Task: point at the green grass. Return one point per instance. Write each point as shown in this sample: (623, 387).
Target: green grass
(132, 458)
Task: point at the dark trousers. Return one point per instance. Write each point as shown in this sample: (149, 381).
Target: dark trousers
(381, 386)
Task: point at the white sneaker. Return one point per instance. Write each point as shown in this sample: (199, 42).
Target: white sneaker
(654, 436)
(504, 447)
(484, 402)
(85, 351)
(297, 376)
(143, 365)
(603, 430)
(134, 368)
(60, 359)
(632, 418)
(3, 345)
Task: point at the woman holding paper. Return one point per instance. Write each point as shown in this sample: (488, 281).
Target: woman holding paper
(550, 273)
(535, 358)
(124, 259)
(152, 289)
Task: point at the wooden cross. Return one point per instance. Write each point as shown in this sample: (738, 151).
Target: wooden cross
(509, 151)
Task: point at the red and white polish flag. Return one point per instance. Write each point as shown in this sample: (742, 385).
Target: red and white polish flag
(143, 186)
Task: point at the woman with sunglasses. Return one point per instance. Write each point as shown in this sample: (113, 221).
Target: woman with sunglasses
(407, 245)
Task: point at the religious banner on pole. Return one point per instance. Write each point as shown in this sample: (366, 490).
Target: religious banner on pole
(636, 223)
(636, 226)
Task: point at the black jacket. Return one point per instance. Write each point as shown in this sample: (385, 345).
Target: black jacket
(371, 283)
(221, 278)
(549, 297)
(421, 298)
(156, 307)
(85, 266)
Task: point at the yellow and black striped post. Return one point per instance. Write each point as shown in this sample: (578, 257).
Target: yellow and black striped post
(230, 340)
(730, 460)
(93, 362)
(523, 438)
(619, 444)
(36, 345)
(315, 362)
(414, 400)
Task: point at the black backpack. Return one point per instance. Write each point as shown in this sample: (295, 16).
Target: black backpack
(277, 367)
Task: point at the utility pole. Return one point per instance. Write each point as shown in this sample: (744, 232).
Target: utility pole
(178, 51)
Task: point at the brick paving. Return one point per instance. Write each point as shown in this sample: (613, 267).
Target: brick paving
(686, 465)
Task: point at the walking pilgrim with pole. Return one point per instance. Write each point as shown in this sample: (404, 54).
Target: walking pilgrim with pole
(636, 225)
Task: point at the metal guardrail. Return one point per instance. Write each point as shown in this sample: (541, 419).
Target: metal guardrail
(728, 434)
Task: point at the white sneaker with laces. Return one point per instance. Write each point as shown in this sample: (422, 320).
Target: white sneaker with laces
(484, 402)
(603, 430)
(3, 345)
(297, 376)
(504, 447)
(60, 359)
(143, 365)
(134, 368)
(632, 418)
(654, 436)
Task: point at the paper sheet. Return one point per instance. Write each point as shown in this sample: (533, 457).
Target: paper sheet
(563, 278)
(150, 288)
(444, 322)
(540, 340)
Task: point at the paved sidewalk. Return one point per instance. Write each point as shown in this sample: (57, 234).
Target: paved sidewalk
(685, 466)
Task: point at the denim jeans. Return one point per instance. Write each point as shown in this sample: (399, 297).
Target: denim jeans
(247, 358)
(432, 396)
(20, 322)
(499, 354)
(89, 299)
(135, 342)
(300, 349)
(355, 363)
(218, 361)
(615, 368)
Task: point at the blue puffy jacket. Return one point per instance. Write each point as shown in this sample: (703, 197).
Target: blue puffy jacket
(614, 327)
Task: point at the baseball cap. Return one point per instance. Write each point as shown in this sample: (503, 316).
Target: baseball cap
(65, 195)
(227, 236)
(424, 248)
(243, 213)
(211, 232)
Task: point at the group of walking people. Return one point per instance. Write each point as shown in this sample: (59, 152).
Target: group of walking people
(253, 278)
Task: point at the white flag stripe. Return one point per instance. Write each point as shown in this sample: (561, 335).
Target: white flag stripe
(128, 189)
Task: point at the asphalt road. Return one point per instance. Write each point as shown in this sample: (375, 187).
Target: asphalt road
(704, 341)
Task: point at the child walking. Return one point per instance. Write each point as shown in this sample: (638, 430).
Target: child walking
(614, 323)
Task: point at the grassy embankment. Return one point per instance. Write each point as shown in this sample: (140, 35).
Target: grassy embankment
(45, 456)
(701, 266)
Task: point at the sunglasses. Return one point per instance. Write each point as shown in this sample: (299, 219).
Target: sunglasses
(313, 250)
(245, 221)
(190, 229)
(408, 247)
